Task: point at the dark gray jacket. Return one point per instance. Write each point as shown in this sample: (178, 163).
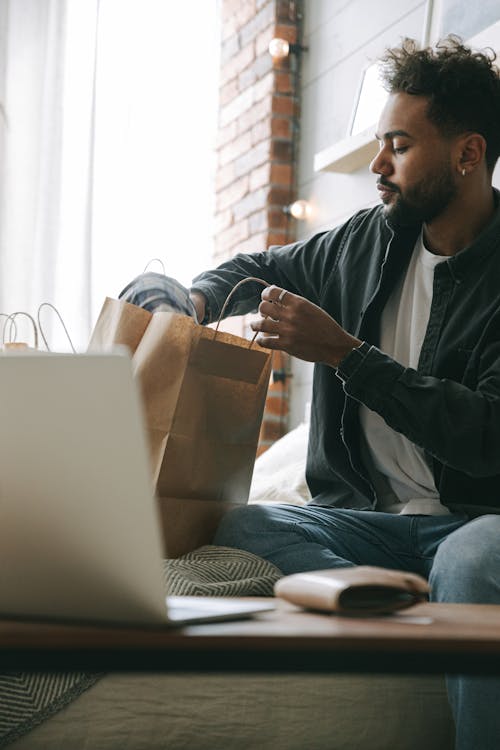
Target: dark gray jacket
(450, 405)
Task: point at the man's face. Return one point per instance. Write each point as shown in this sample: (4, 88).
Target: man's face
(416, 180)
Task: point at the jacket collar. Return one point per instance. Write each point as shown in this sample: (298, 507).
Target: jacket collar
(474, 255)
(461, 264)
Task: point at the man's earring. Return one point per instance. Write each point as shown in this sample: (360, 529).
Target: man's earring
(464, 172)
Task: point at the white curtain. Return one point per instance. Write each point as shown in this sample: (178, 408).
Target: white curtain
(156, 107)
(106, 150)
(47, 78)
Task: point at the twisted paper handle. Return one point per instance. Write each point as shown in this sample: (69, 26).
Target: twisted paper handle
(155, 260)
(48, 304)
(243, 281)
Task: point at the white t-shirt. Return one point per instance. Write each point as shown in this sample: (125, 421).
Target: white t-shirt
(400, 474)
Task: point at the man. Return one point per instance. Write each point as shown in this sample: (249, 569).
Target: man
(399, 308)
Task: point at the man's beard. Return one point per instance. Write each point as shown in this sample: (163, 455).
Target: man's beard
(423, 202)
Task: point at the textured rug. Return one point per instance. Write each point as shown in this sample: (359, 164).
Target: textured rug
(27, 699)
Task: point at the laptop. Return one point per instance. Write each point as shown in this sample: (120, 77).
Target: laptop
(79, 532)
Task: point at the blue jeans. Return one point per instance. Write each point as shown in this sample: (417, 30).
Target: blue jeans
(461, 559)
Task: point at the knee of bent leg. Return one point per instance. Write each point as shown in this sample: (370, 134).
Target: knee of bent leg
(238, 526)
(466, 567)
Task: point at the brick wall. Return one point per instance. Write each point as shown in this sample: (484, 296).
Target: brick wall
(256, 152)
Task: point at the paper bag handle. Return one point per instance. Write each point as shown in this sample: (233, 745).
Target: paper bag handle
(12, 323)
(243, 281)
(49, 304)
(155, 260)
(12, 320)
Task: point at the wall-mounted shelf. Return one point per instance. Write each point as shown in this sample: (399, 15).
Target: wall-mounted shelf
(349, 154)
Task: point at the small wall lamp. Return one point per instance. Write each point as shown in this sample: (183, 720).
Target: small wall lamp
(280, 48)
(300, 209)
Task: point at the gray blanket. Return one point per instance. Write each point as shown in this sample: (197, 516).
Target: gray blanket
(27, 699)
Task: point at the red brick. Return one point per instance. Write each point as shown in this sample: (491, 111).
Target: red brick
(280, 196)
(277, 238)
(277, 219)
(281, 360)
(281, 150)
(283, 82)
(272, 430)
(277, 405)
(281, 174)
(281, 127)
(286, 11)
(283, 105)
(277, 387)
(286, 31)
(282, 65)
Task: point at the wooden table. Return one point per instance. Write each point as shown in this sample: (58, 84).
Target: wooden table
(425, 638)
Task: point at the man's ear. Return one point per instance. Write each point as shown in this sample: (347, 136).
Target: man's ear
(471, 152)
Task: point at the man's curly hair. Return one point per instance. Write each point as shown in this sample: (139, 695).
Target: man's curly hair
(463, 87)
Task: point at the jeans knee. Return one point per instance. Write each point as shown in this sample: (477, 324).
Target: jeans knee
(466, 567)
(239, 525)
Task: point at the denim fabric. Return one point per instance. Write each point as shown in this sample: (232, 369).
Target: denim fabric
(296, 538)
(461, 559)
(158, 293)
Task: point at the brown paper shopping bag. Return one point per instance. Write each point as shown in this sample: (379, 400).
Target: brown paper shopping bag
(203, 395)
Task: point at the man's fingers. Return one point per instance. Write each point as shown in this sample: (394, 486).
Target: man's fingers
(276, 295)
(271, 310)
(269, 342)
(265, 325)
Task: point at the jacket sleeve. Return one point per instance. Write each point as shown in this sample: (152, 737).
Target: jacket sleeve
(457, 425)
(302, 268)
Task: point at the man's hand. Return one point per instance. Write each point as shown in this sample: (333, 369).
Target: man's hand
(297, 326)
(199, 302)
